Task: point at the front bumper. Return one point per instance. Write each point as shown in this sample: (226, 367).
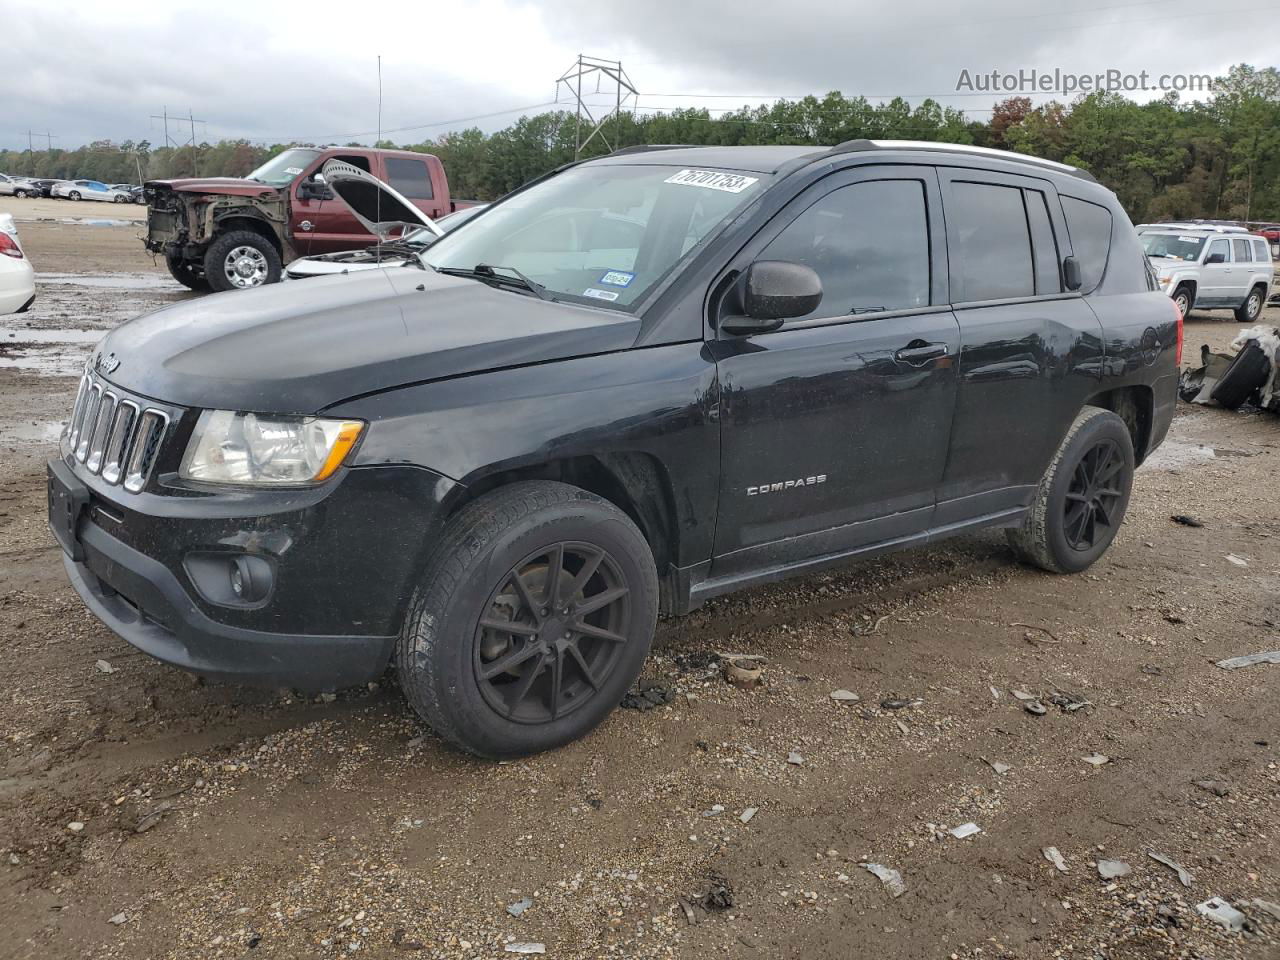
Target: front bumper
(343, 562)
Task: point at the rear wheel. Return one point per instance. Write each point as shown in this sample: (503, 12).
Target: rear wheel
(531, 621)
(239, 260)
(186, 274)
(73, 195)
(1081, 500)
(1249, 311)
(120, 198)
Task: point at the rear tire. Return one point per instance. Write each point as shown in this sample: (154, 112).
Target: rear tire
(240, 260)
(73, 195)
(1251, 309)
(574, 648)
(1081, 500)
(186, 274)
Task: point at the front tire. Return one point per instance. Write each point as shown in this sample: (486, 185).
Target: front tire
(1182, 300)
(1251, 309)
(73, 195)
(240, 260)
(1081, 500)
(531, 621)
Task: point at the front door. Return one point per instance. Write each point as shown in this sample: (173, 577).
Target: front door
(1218, 281)
(835, 426)
(332, 225)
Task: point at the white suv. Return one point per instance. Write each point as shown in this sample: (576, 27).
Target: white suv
(1210, 267)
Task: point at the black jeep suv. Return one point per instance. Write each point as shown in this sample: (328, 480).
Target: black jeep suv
(634, 384)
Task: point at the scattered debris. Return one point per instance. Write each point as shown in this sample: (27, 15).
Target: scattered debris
(1268, 907)
(748, 813)
(795, 759)
(1249, 660)
(517, 947)
(891, 878)
(743, 672)
(75, 826)
(519, 907)
(964, 830)
(119, 918)
(997, 766)
(1113, 869)
(1183, 873)
(862, 630)
(845, 696)
(1217, 787)
(902, 727)
(715, 811)
(152, 817)
(896, 703)
(1053, 638)
(995, 693)
(1185, 520)
(1035, 707)
(1069, 702)
(1096, 759)
(690, 917)
(398, 940)
(719, 895)
(1022, 695)
(647, 696)
(1238, 561)
(1054, 856)
(1215, 908)
(104, 667)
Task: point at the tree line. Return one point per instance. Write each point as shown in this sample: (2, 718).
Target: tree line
(1166, 158)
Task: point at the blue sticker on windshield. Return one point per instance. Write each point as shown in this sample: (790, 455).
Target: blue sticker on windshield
(617, 278)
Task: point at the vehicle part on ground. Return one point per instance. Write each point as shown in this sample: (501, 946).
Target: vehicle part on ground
(1250, 660)
(239, 260)
(1247, 374)
(531, 620)
(1082, 499)
(1221, 912)
(1185, 876)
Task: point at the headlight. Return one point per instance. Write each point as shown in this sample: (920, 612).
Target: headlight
(247, 448)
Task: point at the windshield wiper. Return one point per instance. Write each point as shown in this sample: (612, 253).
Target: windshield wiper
(488, 273)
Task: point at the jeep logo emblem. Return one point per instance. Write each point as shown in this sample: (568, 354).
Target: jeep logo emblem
(107, 364)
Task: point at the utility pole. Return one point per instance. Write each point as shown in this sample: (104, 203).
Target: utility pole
(572, 79)
(171, 142)
(31, 150)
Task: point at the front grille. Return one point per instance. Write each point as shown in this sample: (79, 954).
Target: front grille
(114, 435)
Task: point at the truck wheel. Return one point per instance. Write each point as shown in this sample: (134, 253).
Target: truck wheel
(1182, 300)
(1248, 311)
(186, 274)
(239, 260)
(1082, 497)
(531, 620)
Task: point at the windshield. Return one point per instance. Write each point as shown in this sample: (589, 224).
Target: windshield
(1172, 245)
(603, 234)
(281, 169)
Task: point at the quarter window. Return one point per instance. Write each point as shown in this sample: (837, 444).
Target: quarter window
(990, 227)
(869, 242)
(1048, 279)
(1089, 226)
(409, 178)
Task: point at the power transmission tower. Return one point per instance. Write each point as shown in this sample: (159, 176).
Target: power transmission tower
(572, 81)
(31, 150)
(170, 142)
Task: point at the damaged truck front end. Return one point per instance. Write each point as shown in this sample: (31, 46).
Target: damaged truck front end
(218, 234)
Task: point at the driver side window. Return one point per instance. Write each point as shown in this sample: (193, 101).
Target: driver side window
(1221, 247)
(868, 241)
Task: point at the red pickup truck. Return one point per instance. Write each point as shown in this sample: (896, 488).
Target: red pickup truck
(222, 233)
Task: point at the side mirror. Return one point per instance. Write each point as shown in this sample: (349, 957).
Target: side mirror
(774, 291)
(1215, 258)
(1071, 273)
(314, 190)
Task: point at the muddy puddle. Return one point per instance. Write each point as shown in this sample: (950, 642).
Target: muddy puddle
(49, 352)
(38, 432)
(1176, 454)
(112, 281)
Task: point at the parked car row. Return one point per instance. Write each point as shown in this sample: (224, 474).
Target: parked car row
(70, 189)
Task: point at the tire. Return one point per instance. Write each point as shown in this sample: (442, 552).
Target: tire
(1247, 373)
(73, 195)
(444, 652)
(1095, 456)
(1183, 300)
(186, 274)
(1251, 309)
(239, 250)
(21, 193)
(120, 199)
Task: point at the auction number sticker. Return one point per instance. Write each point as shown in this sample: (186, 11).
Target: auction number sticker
(600, 294)
(713, 180)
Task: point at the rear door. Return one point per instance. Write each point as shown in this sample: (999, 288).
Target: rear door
(835, 426)
(1030, 351)
(411, 178)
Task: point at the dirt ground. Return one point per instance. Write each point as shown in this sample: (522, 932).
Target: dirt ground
(50, 208)
(144, 813)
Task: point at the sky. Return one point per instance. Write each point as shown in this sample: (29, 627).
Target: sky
(276, 71)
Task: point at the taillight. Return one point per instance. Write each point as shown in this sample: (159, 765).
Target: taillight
(9, 246)
(1178, 313)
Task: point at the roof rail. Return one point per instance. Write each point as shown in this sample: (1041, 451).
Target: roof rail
(646, 147)
(852, 146)
(1217, 226)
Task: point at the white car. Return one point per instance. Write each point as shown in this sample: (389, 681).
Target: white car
(1210, 266)
(17, 276)
(9, 185)
(88, 190)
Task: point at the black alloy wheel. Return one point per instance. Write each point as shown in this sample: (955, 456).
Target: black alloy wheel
(1093, 496)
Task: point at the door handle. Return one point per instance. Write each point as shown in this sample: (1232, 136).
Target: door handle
(917, 353)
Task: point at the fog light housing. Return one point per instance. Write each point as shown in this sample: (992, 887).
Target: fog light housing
(231, 580)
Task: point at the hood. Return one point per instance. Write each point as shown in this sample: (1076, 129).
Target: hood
(1170, 263)
(301, 347)
(379, 208)
(229, 186)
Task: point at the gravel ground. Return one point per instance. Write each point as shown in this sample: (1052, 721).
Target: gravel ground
(144, 813)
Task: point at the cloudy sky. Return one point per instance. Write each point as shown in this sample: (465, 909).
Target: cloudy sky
(278, 71)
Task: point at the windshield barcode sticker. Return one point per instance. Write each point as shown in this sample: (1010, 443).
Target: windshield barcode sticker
(713, 180)
(600, 294)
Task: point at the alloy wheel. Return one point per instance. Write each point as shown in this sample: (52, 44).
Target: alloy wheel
(1253, 306)
(245, 266)
(1094, 496)
(1183, 303)
(551, 633)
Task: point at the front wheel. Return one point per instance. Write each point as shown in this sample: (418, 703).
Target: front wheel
(1182, 300)
(120, 199)
(239, 260)
(73, 195)
(1081, 500)
(531, 621)
(1248, 311)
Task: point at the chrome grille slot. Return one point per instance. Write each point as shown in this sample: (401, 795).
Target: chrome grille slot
(98, 440)
(77, 411)
(118, 440)
(89, 422)
(144, 449)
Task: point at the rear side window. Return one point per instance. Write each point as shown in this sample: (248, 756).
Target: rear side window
(409, 178)
(990, 225)
(1089, 225)
(869, 242)
(1241, 250)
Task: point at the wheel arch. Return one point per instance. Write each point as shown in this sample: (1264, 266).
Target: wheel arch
(242, 220)
(1135, 405)
(1191, 286)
